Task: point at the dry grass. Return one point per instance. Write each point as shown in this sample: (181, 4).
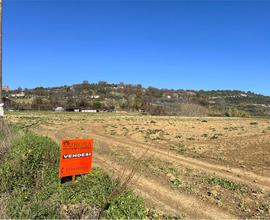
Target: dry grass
(3, 206)
(6, 138)
(125, 178)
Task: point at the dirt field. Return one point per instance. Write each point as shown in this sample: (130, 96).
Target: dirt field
(196, 167)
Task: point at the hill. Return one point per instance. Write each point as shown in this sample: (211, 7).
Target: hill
(103, 96)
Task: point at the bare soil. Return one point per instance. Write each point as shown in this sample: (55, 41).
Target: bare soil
(214, 168)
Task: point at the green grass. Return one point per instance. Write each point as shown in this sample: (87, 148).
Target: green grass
(113, 132)
(178, 136)
(29, 175)
(226, 184)
(126, 205)
(153, 131)
(179, 147)
(215, 136)
(204, 135)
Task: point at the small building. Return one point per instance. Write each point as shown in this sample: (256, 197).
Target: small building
(95, 97)
(89, 111)
(59, 109)
(6, 88)
(18, 95)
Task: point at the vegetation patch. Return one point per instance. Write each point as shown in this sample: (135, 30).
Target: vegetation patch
(29, 179)
(226, 184)
(179, 147)
(154, 135)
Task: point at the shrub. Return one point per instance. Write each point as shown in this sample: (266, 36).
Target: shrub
(228, 112)
(126, 205)
(234, 112)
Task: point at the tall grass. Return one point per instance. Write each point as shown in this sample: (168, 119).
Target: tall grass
(8, 134)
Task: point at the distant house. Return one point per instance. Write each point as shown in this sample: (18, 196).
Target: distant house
(95, 97)
(6, 88)
(89, 111)
(18, 95)
(59, 109)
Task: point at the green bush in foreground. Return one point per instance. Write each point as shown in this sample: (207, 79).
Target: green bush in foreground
(126, 205)
(29, 175)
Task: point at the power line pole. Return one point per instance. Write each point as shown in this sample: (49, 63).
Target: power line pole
(1, 86)
(1, 81)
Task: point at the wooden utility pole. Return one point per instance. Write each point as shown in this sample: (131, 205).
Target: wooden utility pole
(1, 82)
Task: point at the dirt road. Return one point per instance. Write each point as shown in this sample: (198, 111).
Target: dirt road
(153, 188)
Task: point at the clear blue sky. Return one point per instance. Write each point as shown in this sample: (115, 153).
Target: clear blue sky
(166, 44)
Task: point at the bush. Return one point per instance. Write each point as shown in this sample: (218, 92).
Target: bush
(228, 112)
(234, 112)
(126, 205)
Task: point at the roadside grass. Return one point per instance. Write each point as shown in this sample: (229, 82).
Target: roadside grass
(32, 188)
(8, 134)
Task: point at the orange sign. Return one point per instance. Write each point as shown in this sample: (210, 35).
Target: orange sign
(76, 157)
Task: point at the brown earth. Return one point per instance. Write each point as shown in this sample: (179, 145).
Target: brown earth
(214, 168)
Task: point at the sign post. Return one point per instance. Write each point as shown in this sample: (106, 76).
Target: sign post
(76, 157)
(73, 179)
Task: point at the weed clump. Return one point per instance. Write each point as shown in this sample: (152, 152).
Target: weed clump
(226, 184)
(179, 147)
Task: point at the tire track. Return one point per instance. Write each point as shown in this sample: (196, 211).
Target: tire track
(170, 200)
(160, 195)
(234, 174)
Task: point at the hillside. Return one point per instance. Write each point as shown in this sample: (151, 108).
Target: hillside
(103, 96)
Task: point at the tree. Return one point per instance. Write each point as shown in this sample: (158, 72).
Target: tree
(19, 89)
(97, 105)
(83, 103)
(138, 102)
(71, 104)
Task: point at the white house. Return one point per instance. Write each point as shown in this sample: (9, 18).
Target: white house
(89, 111)
(18, 95)
(59, 109)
